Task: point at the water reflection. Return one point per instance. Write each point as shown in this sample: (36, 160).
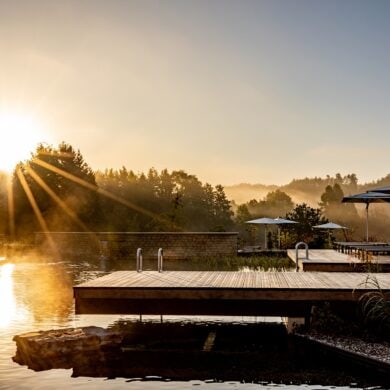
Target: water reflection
(35, 292)
(259, 353)
(47, 293)
(37, 295)
(9, 309)
(174, 350)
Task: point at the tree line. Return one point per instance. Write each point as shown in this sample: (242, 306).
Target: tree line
(70, 197)
(57, 190)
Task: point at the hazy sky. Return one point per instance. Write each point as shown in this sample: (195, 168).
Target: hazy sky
(232, 91)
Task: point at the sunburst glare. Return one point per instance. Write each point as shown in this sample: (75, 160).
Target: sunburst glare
(20, 133)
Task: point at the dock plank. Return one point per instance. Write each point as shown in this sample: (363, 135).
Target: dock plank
(220, 292)
(225, 279)
(330, 260)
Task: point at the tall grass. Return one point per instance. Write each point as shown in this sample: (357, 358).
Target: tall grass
(233, 263)
(375, 309)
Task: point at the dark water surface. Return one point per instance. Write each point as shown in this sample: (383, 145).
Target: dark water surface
(37, 295)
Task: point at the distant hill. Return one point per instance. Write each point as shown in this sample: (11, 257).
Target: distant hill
(308, 190)
(244, 192)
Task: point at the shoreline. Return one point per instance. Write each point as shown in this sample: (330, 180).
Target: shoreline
(373, 354)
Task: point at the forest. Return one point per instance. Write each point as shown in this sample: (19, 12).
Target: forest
(56, 190)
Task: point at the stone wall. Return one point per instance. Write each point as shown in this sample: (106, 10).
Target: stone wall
(117, 245)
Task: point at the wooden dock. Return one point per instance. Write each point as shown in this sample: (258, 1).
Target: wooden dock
(329, 260)
(219, 293)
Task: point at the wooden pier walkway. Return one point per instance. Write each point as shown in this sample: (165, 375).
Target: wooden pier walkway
(219, 293)
(329, 260)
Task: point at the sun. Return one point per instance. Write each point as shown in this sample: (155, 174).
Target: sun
(19, 136)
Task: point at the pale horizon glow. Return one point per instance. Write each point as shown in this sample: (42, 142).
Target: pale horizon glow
(231, 91)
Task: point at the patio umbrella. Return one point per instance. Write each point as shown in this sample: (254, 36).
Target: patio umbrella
(265, 222)
(329, 226)
(383, 190)
(367, 198)
(282, 221)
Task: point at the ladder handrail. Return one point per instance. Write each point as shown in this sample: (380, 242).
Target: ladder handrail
(139, 260)
(296, 253)
(160, 258)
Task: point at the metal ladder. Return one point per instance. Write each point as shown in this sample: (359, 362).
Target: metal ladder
(296, 253)
(160, 258)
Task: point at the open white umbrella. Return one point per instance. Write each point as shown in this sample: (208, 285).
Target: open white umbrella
(367, 198)
(282, 221)
(265, 222)
(330, 226)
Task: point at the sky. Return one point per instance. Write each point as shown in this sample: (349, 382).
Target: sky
(231, 91)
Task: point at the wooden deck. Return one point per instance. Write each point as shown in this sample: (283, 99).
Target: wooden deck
(219, 293)
(329, 260)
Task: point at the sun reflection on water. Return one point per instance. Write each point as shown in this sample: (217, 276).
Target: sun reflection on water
(9, 309)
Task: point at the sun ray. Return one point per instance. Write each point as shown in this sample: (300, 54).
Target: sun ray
(101, 191)
(11, 208)
(37, 211)
(60, 202)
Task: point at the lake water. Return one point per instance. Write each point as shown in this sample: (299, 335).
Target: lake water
(36, 294)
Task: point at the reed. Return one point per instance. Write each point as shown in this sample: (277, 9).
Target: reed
(236, 263)
(375, 309)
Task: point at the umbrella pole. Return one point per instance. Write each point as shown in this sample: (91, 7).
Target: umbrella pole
(265, 237)
(367, 221)
(279, 236)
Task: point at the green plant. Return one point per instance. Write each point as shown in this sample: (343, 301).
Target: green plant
(236, 263)
(375, 309)
(326, 320)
